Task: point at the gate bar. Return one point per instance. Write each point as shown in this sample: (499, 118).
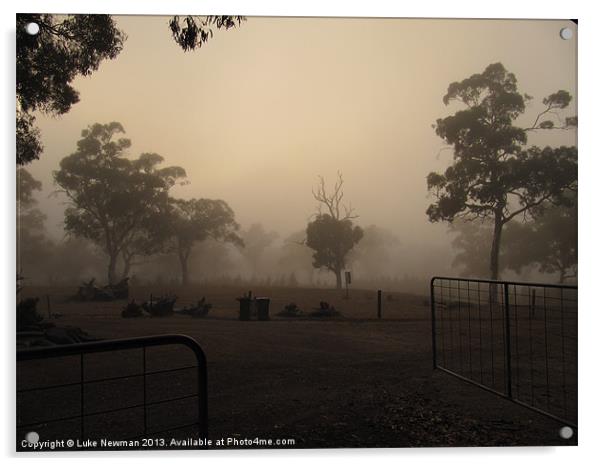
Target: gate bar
(134, 343)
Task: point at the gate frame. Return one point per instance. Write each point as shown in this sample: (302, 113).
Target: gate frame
(508, 362)
(102, 346)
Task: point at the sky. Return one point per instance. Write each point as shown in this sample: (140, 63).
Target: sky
(259, 112)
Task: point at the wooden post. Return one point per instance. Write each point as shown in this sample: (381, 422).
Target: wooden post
(379, 303)
(48, 306)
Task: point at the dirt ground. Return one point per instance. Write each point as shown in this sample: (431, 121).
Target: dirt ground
(351, 382)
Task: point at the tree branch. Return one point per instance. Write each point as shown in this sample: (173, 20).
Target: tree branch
(333, 202)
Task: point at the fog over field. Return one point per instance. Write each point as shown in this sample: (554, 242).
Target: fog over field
(298, 229)
(261, 111)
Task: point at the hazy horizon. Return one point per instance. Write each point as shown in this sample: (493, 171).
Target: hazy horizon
(260, 111)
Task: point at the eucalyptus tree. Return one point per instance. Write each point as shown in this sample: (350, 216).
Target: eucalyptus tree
(187, 222)
(111, 198)
(494, 174)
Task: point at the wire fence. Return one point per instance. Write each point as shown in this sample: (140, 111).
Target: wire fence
(516, 339)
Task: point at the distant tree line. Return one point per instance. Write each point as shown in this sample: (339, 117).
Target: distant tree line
(120, 216)
(40, 257)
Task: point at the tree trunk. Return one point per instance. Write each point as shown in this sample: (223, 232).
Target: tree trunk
(337, 272)
(494, 263)
(184, 267)
(112, 276)
(127, 266)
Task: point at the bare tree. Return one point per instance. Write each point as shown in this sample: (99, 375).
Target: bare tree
(332, 235)
(334, 201)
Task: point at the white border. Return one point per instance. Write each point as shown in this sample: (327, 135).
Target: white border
(590, 154)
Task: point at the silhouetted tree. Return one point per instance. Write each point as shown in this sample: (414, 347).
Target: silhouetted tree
(66, 46)
(111, 197)
(214, 252)
(40, 258)
(296, 256)
(548, 241)
(33, 244)
(332, 235)
(187, 222)
(256, 239)
(191, 32)
(377, 253)
(493, 175)
(26, 185)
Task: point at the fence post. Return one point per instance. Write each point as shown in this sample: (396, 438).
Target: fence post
(379, 304)
(507, 342)
(81, 395)
(433, 330)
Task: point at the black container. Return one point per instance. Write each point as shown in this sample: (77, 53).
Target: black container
(245, 308)
(263, 308)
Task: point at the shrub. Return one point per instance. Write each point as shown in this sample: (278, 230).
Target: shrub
(290, 310)
(132, 309)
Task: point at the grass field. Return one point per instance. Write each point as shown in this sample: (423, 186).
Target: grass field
(350, 382)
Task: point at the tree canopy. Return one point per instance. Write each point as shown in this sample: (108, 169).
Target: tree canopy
(493, 174)
(256, 240)
(47, 63)
(70, 45)
(111, 198)
(187, 222)
(191, 32)
(332, 240)
(26, 185)
(32, 240)
(548, 242)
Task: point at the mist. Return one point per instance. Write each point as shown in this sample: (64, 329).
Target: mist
(263, 110)
(294, 232)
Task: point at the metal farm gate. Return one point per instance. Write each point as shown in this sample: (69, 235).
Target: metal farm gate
(518, 340)
(113, 389)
